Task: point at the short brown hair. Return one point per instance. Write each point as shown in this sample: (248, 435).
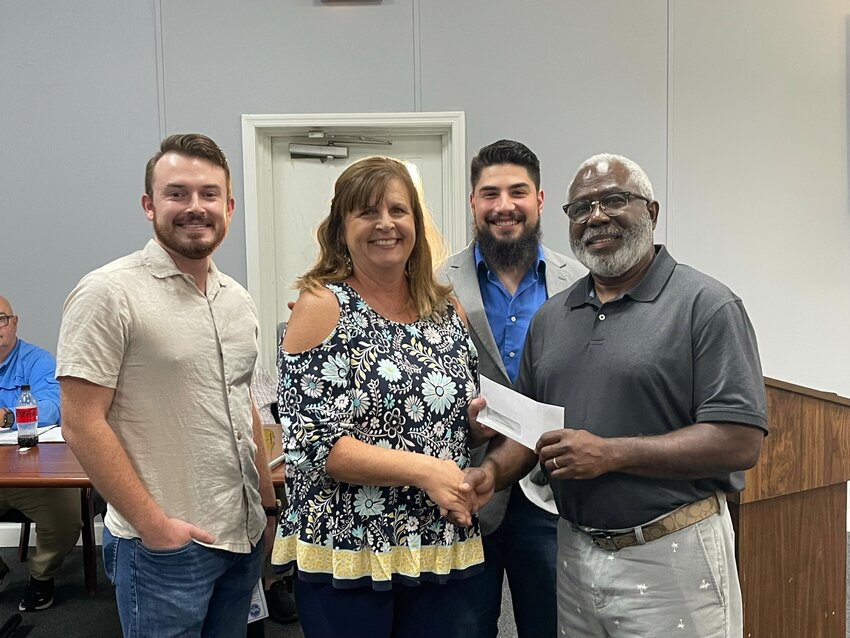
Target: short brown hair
(358, 187)
(192, 145)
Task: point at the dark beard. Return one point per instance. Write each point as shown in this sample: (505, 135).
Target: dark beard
(509, 254)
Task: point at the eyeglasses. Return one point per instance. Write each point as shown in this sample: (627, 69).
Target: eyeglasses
(5, 319)
(612, 204)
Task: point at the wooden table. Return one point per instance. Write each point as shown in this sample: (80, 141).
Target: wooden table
(45, 465)
(54, 465)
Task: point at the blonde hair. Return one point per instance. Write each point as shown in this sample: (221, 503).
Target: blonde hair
(358, 187)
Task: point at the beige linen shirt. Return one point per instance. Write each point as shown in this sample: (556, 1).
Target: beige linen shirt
(181, 364)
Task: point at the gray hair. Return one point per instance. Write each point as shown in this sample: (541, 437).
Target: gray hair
(636, 173)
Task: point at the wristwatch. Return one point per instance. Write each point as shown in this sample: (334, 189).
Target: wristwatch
(8, 418)
(273, 510)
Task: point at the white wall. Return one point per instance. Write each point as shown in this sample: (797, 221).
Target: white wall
(758, 171)
(10, 534)
(736, 108)
(570, 78)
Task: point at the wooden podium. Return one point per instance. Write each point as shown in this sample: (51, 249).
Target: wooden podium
(790, 520)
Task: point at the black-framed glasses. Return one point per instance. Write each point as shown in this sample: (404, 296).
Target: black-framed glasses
(612, 204)
(5, 319)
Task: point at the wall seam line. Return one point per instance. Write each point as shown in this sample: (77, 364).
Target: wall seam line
(669, 226)
(160, 69)
(417, 57)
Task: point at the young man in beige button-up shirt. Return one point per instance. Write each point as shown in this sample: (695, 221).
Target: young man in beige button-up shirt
(155, 359)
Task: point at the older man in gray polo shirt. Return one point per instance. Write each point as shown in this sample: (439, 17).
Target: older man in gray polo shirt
(657, 368)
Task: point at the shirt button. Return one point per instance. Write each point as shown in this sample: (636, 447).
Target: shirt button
(512, 354)
(601, 317)
(513, 318)
(238, 436)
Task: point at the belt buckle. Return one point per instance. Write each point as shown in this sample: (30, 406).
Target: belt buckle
(597, 533)
(601, 538)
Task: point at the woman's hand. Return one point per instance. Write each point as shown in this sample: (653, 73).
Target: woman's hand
(443, 486)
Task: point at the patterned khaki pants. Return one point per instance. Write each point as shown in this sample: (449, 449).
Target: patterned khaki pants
(684, 585)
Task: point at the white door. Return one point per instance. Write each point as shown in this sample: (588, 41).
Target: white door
(303, 189)
(286, 198)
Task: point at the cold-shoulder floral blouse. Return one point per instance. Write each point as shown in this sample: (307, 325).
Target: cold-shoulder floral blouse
(399, 386)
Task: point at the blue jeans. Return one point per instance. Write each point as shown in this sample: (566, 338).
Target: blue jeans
(189, 591)
(525, 546)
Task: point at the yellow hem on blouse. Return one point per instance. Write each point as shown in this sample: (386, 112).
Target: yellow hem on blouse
(351, 565)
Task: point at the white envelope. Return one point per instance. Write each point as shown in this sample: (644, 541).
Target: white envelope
(516, 416)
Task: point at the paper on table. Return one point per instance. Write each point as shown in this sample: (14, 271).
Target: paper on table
(10, 437)
(258, 609)
(516, 416)
(52, 434)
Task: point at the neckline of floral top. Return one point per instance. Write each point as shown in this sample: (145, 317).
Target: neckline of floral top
(369, 307)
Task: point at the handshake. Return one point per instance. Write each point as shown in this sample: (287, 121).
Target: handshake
(461, 493)
(477, 487)
(564, 453)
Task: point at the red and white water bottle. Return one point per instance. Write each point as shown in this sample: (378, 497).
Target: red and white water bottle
(26, 418)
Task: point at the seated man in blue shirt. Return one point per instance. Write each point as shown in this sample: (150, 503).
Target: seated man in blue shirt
(56, 511)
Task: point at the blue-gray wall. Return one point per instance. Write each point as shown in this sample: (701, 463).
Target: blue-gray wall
(736, 108)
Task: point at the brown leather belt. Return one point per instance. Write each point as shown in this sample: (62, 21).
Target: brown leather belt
(685, 516)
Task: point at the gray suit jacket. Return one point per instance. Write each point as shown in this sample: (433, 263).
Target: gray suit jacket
(460, 271)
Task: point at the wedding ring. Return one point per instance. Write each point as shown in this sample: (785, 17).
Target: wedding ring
(555, 462)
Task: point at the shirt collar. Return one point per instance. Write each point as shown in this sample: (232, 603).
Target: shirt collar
(647, 289)
(161, 266)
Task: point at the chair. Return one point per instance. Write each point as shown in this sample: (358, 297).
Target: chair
(91, 504)
(16, 516)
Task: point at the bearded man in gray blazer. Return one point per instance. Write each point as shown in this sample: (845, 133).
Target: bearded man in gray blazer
(501, 279)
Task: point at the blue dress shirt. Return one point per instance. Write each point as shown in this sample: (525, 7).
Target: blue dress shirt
(509, 315)
(30, 364)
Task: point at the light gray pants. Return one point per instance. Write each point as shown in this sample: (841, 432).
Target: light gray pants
(56, 512)
(684, 585)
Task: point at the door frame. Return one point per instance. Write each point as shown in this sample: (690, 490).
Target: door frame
(258, 132)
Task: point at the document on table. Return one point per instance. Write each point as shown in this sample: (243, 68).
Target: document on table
(258, 609)
(46, 434)
(50, 434)
(516, 416)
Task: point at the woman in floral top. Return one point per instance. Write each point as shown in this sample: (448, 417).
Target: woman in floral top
(376, 372)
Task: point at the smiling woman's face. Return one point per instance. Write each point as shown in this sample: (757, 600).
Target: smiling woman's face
(380, 237)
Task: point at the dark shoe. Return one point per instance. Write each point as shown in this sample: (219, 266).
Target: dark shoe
(37, 596)
(280, 603)
(5, 575)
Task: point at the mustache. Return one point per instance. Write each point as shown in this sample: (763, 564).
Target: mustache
(597, 231)
(514, 216)
(189, 218)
